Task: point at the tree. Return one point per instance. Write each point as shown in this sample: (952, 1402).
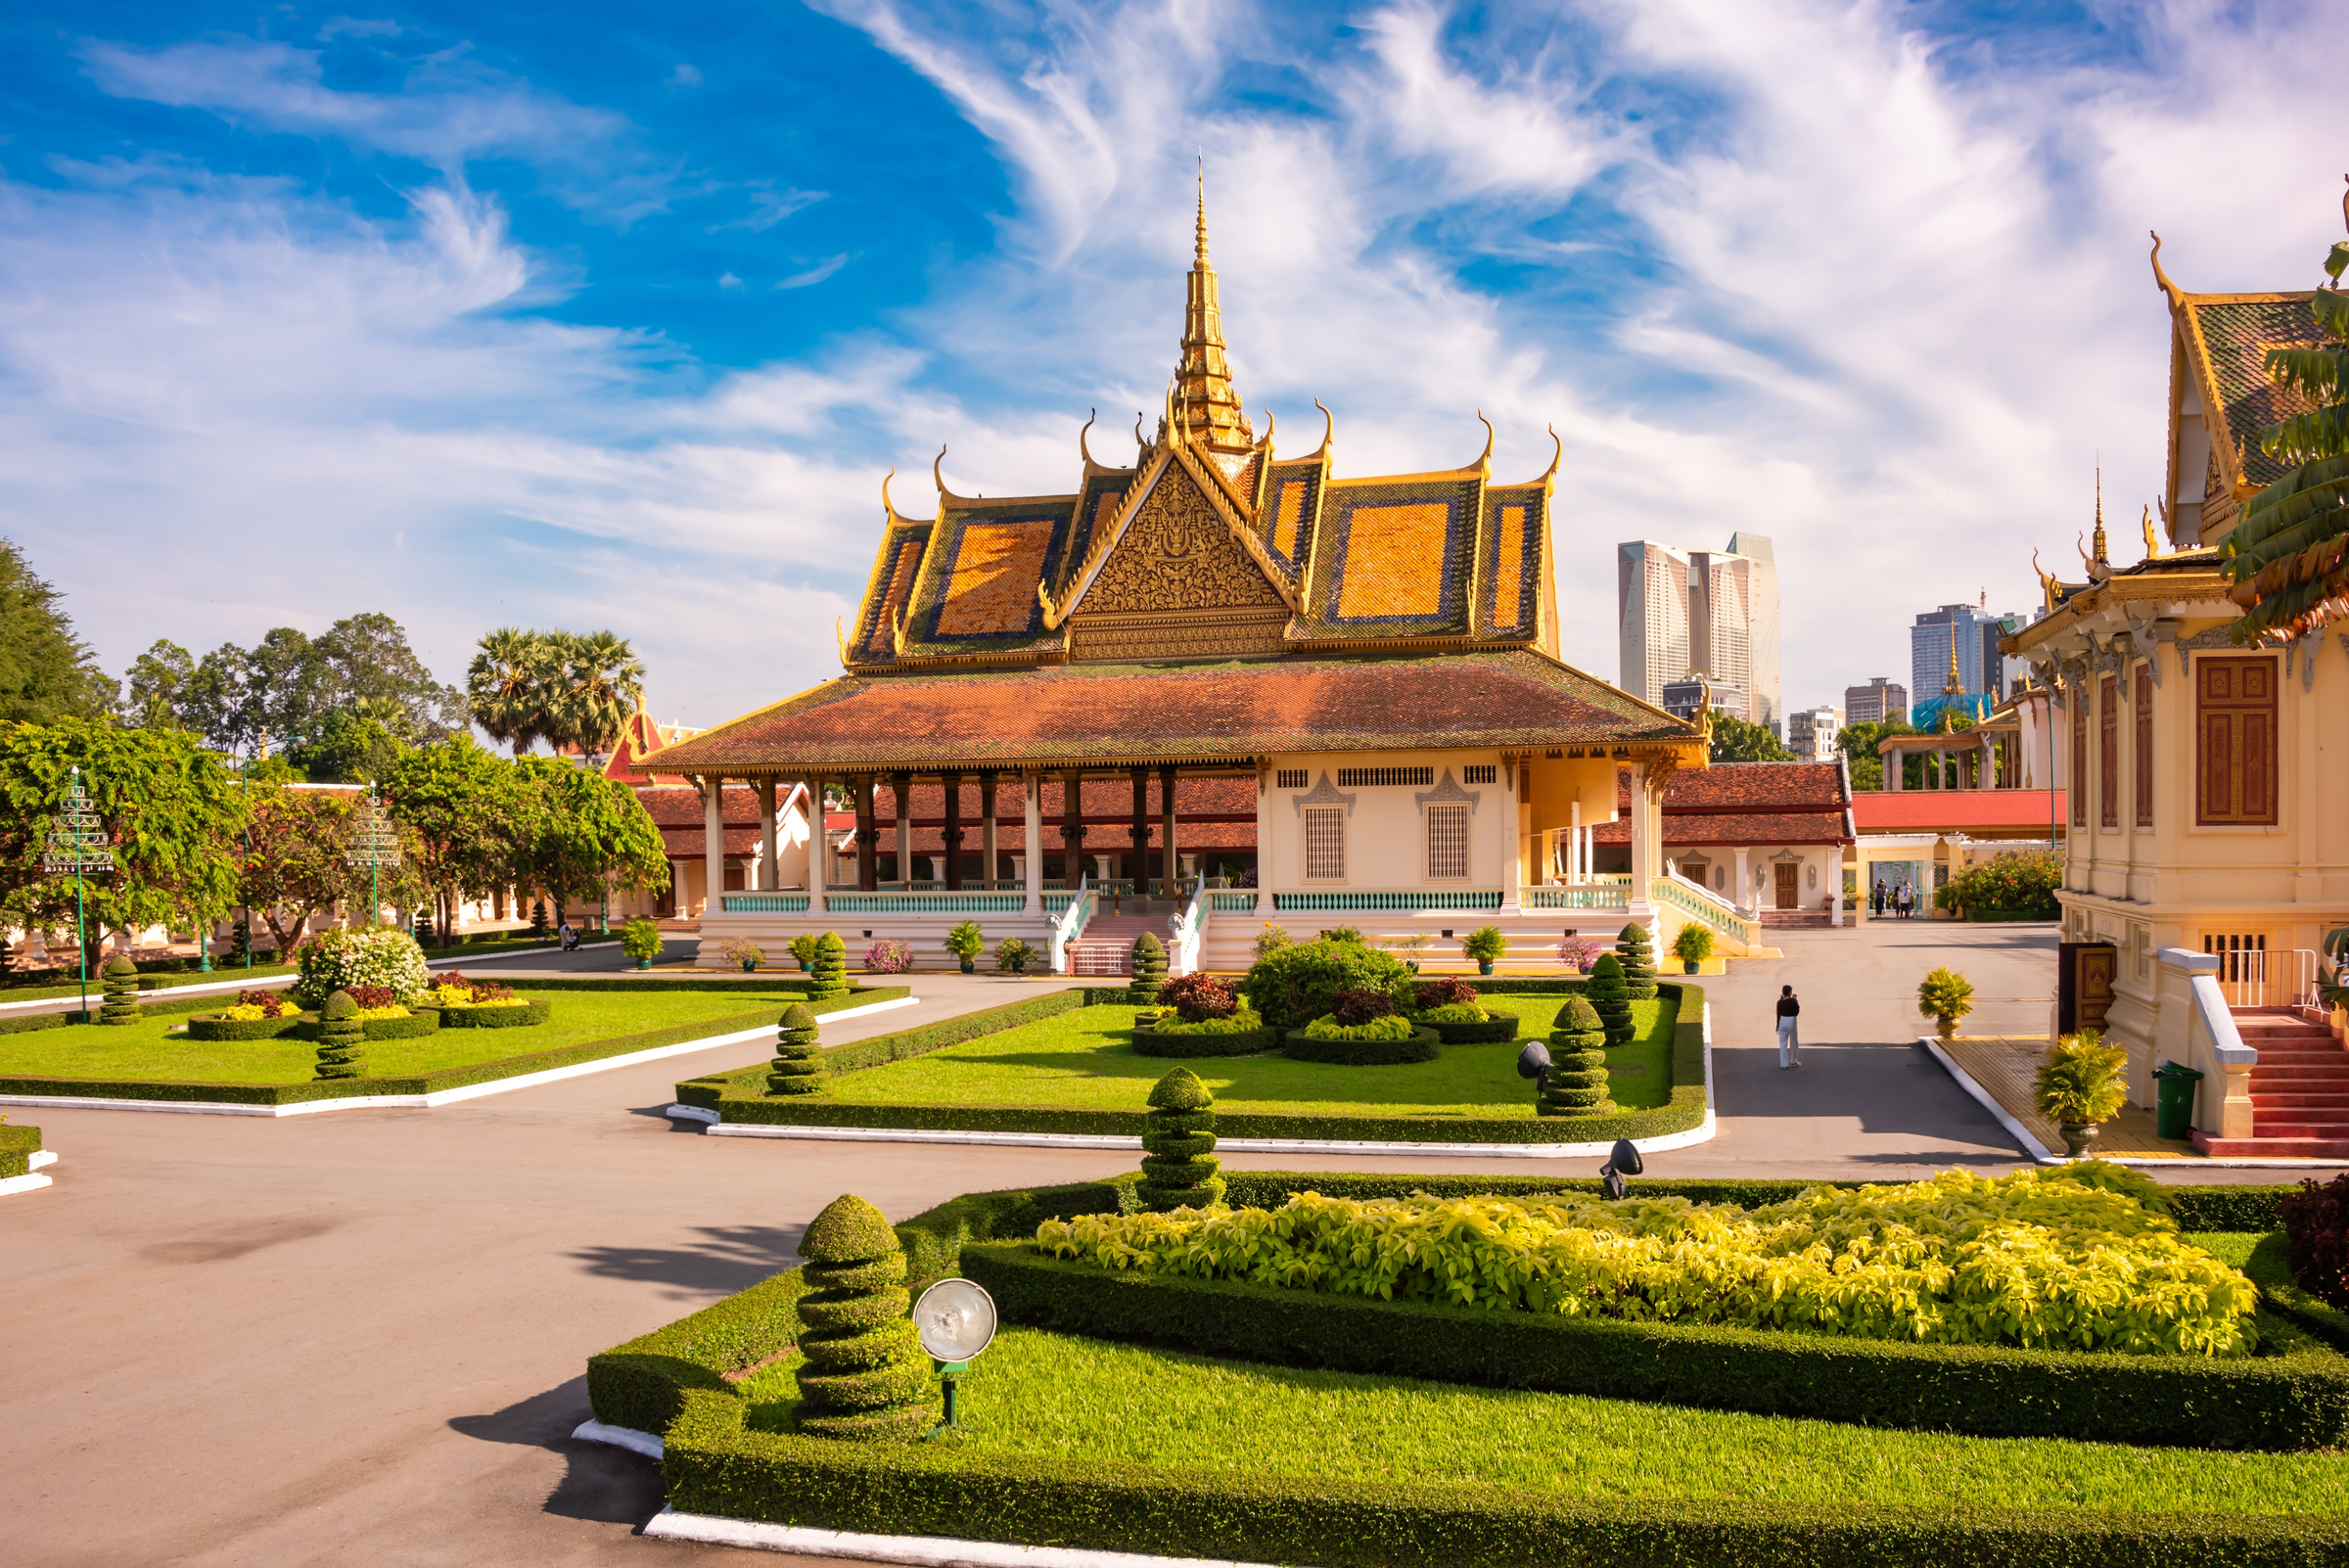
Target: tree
(1737, 741)
(557, 686)
(346, 749)
(288, 688)
(508, 684)
(365, 665)
(467, 808)
(296, 868)
(158, 677)
(170, 808)
(588, 834)
(602, 685)
(46, 673)
(1857, 742)
(2287, 555)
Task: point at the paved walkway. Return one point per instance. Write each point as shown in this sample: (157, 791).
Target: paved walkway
(359, 1338)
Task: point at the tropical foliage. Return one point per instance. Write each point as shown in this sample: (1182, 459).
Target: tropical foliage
(1945, 996)
(285, 691)
(565, 688)
(2028, 1260)
(1734, 740)
(1295, 985)
(2022, 880)
(2083, 1081)
(46, 672)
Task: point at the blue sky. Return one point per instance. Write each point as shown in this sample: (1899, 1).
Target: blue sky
(602, 316)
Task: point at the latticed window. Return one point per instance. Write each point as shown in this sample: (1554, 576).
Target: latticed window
(1357, 778)
(1324, 844)
(1290, 778)
(1447, 843)
(2141, 757)
(2108, 754)
(1481, 773)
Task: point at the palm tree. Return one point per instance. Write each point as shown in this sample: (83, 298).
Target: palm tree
(510, 686)
(600, 685)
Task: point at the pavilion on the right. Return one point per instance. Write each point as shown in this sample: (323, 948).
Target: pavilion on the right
(2206, 782)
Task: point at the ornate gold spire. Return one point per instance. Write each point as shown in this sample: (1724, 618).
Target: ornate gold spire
(1956, 682)
(1206, 404)
(2100, 535)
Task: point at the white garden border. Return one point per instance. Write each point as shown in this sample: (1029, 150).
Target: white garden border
(31, 1180)
(409, 1102)
(925, 1552)
(1702, 1133)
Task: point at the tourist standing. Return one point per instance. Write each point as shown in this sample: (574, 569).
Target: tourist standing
(1876, 900)
(1790, 1045)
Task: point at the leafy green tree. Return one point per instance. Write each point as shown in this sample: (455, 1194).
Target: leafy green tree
(566, 688)
(172, 810)
(1737, 741)
(508, 687)
(289, 688)
(2287, 555)
(46, 673)
(347, 749)
(158, 679)
(468, 809)
(1857, 742)
(587, 835)
(602, 685)
(291, 864)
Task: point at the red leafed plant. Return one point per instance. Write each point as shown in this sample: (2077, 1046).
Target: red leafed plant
(271, 1003)
(1445, 992)
(1199, 997)
(1361, 1006)
(2316, 1234)
(372, 995)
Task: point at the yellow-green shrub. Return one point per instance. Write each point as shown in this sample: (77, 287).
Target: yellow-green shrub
(2025, 1259)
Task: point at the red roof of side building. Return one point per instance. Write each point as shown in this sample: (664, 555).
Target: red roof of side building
(1955, 810)
(1747, 802)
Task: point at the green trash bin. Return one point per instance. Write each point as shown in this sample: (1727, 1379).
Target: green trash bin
(2174, 1100)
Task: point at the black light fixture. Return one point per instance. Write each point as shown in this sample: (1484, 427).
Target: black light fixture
(1622, 1160)
(1533, 1061)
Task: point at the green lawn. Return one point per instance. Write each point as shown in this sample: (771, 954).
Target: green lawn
(144, 1051)
(1040, 1395)
(1084, 1060)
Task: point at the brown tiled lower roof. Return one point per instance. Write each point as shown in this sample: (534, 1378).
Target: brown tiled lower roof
(1735, 787)
(1112, 714)
(1764, 827)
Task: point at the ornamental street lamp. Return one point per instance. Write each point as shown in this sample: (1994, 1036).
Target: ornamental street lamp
(77, 846)
(374, 843)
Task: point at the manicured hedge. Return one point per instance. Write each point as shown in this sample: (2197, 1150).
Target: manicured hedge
(714, 1466)
(1233, 1042)
(2270, 1269)
(34, 1021)
(530, 1013)
(215, 1027)
(2291, 1401)
(17, 1145)
(1500, 1027)
(420, 1022)
(1419, 1046)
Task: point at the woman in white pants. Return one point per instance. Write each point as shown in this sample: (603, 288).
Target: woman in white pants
(1791, 1048)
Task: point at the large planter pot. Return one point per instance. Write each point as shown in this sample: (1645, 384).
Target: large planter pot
(2078, 1138)
(803, 966)
(1484, 966)
(750, 966)
(1694, 965)
(970, 966)
(647, 963)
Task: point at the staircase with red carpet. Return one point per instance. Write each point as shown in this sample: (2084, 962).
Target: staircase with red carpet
(1107, 945)
(2299, 1088)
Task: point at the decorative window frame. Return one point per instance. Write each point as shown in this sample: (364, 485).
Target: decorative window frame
(1323, 793)
(1447, 792)
(1447, 811)
(1304, 845)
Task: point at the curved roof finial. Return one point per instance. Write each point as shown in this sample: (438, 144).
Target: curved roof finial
(1139, 439)
(2162, 278)
(1269, 427)
(1329, 428)
(937, 473)
(888, 508)
(1083, 450)
(1556, 457)
(1484, 459)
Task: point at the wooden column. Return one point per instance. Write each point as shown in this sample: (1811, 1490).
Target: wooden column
(1138, 868)
(769, 873)
(902, 784)
(1072, 827)
(1166, 811)
(987, 830)
(714, 843)
(1031, 823)
(951, 834)
(868, 853)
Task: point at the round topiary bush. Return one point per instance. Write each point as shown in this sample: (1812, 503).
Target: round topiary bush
(1179, 1165)
(1576, 1082)
(341, 1039)
(1149, 970)
(1293, 985)
(798, 1066)
(361, 955)
(1611, 996)
(828, 976)
(1638, 956)
(865, 1377)
(120, 978)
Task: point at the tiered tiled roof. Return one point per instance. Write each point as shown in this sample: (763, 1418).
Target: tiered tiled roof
(1749, 803)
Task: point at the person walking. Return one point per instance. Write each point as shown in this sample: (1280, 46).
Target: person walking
(1790, 1045)
(1877, 907)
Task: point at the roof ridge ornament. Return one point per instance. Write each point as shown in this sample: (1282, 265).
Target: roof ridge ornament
(1329, 428)
(1083, 450)
(1484, 459)
(889, 508)
(2161, 278)
(937, 473)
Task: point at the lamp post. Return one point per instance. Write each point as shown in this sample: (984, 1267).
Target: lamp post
(374, 843)
(77, 846)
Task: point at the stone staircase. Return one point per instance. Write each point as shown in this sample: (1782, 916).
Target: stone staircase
(2299, 1090)
(1795, 919)
(1107, 945)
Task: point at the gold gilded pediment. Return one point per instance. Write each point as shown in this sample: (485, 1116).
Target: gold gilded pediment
(1179, 554)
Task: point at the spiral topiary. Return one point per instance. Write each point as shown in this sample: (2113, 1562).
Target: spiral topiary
(828, 975)
(120, 978)
(1611, 997)
(798, 1065)
(864, 1377)
(1576, 1082)
(1149, 970)
(1179, 1139)
(341, 1039)
(1637, 956)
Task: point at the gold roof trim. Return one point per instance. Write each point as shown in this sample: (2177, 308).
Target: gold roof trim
(1228, 505)
(1098, 547)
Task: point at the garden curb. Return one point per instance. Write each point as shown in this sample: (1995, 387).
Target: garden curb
(32, 1180)
(411, 1102)
(930, 1551)
(2040, 1153)
(1702, 1133)
(617, 1437)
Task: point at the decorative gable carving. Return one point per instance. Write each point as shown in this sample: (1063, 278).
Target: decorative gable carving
(1447, 792)
(1179, 554)
(1322, 794)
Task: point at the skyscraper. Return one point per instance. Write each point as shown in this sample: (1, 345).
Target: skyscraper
(1880, 699)
(1712, 612)
(1980, 666)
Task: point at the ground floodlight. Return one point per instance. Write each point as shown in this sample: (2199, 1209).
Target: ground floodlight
(1622, 1160)
(956, 1320)
(1534, 1060)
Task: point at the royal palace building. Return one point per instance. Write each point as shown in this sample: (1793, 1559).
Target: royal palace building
(1208, 689)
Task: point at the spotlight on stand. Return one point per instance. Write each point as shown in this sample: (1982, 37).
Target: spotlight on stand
(956, 1320)
(1533, 1061)
(1622, 1160)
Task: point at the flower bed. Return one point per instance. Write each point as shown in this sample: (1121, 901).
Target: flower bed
(1240, 1033)
(513, 1013)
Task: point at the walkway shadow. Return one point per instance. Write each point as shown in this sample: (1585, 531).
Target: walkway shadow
(660, 1112)
(601, 1484)
(733, 1258)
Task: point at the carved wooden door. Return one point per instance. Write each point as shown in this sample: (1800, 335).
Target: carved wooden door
(2096, 985)
(1789, 896)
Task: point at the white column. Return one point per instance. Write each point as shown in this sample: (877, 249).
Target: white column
(770, 872)
(1265, 857)
(678, 893)
(1512, 893)
(1641, 875)
(818, 853)
(714, 843)
(1031, 823)
(1575, 870)
(1745, 889)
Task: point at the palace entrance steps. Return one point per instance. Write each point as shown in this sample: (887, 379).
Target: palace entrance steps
(2299, 1088)
(1107, 945)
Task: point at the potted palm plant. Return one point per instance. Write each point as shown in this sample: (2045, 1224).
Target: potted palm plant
(2083, 1083)
(1485, 944)
(640, 940)
(1693, 945)
(966, 942)
(803, 947)
(1945, 996)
